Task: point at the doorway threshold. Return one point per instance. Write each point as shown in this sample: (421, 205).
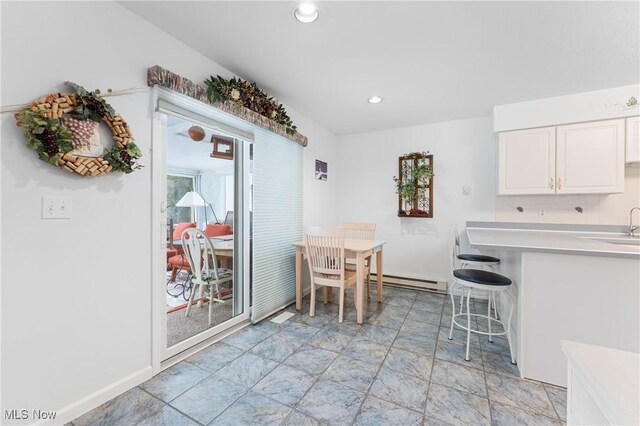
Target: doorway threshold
(202, 345)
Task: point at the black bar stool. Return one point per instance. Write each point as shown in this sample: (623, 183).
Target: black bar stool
(468, 280)
(477, 260)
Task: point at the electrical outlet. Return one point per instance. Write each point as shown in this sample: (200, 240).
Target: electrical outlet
(64, 208)
(466, 190)
(541, 212)
(56, 207)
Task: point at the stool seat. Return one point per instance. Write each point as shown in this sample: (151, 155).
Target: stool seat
(479, 276)
(478, 258)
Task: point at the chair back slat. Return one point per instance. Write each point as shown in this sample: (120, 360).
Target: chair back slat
(359, 231)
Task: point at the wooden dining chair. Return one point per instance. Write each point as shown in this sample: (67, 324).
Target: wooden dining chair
(325, 254)
(361, 231)
(199, 251)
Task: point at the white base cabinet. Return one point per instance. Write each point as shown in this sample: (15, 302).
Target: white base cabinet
(603, 385)
(586, 158)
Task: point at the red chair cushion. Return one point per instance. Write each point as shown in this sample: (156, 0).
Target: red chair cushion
(178, 261)
(171, 253)
(215, 230)
(180, 228)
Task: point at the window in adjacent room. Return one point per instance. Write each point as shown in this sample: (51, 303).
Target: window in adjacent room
(177, 186)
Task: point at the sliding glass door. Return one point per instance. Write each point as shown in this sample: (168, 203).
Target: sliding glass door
(208, 191)
(219, 151)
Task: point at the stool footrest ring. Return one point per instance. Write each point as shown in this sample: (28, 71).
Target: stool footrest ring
(464, 327)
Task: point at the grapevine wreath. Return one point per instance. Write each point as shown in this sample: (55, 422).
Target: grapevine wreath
(63, 129)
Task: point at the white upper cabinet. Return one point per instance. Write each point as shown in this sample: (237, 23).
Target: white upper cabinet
(633, 139)
(590, 158)
(527, 161)
(585, 158)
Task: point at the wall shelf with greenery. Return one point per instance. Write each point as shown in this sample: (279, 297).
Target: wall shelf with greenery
(414, 185)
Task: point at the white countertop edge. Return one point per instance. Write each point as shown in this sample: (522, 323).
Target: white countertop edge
(586, 252)
(589, 247)
(556, 227)
(621, 408)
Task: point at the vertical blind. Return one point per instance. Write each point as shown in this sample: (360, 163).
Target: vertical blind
(277, 221)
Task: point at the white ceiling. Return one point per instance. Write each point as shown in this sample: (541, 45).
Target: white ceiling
(430, 61)
(185, 154)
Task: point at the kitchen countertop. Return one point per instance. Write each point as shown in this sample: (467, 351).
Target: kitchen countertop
(597, 240)
(611, 378)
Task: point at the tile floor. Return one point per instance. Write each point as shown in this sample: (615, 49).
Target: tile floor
(398, 368)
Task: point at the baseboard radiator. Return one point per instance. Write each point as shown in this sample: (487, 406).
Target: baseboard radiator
(412, 283)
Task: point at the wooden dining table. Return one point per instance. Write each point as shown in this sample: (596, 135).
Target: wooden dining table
(354, 249)
(222, 245)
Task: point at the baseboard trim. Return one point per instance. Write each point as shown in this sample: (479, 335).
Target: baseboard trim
(412, 283)
(73, 411)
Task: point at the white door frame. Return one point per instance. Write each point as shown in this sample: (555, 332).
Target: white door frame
(158, 231)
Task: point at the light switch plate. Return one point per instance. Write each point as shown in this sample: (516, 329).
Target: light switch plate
(56, 207)
(466, 190)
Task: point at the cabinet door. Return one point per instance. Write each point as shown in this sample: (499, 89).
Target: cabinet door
(590, 158)
(526, 163)
(633, 139)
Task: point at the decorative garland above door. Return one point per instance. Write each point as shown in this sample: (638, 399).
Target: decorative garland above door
(157, 75)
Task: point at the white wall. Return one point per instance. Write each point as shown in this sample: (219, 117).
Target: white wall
(605, 209)
(579, 107)
(464, 154)
(228, 196)
(320, 197)
(76, 294)
(214, 190)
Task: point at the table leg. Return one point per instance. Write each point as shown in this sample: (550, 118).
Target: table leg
(360, 287)
(298, 278)
(379, 274)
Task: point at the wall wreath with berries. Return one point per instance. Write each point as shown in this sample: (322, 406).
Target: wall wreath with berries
(64, 130)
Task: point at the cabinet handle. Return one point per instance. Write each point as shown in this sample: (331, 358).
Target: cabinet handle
(551, 183)
(559, 183)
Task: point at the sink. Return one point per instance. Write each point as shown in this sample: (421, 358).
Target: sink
(622, 239)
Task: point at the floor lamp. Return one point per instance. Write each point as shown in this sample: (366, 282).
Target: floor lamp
(193, 199)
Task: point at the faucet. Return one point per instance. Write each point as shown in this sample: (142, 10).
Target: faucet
(631, 227)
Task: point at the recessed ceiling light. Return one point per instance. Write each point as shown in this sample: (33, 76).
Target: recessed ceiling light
(306, 13)
(375, 100)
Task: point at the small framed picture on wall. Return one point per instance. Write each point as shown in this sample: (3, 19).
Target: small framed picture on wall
(321, 170)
